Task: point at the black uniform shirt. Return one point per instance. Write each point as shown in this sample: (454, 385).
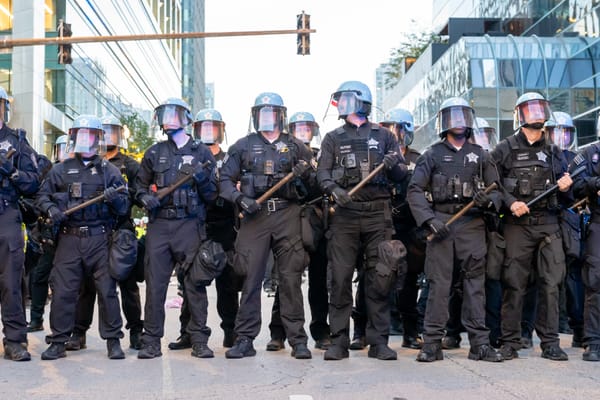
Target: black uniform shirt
(27, 179)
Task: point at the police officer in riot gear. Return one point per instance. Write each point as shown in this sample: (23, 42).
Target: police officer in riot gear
(82, 245)
(401, 123)
(130, 293)
(258, 161)
(303, 126)
(528, 164)
(562, 132)
(588, 184)
(348, 154)
(59, 150)
(209, 128)
(177, 223)
(455, 172)
(19, 176)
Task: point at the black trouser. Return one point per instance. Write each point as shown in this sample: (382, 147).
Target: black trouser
(591, 279)
(75, 258)
(171, 241)
(258, 234)
(530, 300)
(461, 255)
(493, 307)
(575, 294)
(130, 302)
(318, 298)
(532, 249)
(349, 231)
(39, 284)
(11, 275)
(406, 297)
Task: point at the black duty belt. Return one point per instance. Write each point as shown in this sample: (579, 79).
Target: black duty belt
(275, 204)
(83, 231)
(375, 205)
(544, 219)
(173, 213)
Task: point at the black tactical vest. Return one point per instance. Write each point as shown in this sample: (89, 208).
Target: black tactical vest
(531, 173)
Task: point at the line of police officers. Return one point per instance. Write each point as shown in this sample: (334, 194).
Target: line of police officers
(357, 166)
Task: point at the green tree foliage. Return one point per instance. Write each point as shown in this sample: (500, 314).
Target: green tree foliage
(412, 45)
(139, 130)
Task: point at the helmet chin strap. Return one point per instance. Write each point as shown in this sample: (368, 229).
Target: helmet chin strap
(171, 132)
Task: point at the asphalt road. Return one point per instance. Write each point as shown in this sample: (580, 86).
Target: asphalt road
(89, 374)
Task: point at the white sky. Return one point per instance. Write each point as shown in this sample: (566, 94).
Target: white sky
(353, 38)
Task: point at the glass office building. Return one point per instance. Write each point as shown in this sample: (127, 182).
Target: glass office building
(109, 77)
(497, 51)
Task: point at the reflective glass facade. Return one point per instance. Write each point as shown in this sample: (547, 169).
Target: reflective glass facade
(492, 71)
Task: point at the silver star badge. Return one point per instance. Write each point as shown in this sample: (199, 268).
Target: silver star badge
(541, 156)
(472, 157)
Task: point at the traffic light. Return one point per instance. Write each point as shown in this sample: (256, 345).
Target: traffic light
(303, 22)
(64, 50)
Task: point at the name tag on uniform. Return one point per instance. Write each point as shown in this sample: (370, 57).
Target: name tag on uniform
(72, 171)
(447, 159)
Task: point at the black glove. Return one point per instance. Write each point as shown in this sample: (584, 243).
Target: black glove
(301, 169)
(201, 174)
(56, 215)
(438, 228)
(482, 200)
(248, 205)
(111, 194)
(340, 196)
(391, 160)
(6, 165)
(150, 202)
(594, 183)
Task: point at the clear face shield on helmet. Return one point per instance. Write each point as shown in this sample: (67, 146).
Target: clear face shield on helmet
(455, 117)
(346, 103)
(401, 130)
(60, 152)
(170, 117)
(87, 141)
(4, 111)
(304, 130)
(532, 113)
(563, 137)
(209, 132)
(113, 136)
(268, 118)
(485, 137)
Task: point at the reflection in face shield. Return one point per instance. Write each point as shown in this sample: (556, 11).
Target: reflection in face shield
(267, 119)
(347, 103)
(60, 152)
(86, 141)
(533, 111)
(113, 135)
(562, 137)
(303, 131)
(209, 132)
(456, 117)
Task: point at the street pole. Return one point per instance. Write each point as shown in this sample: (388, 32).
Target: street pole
(10, 43)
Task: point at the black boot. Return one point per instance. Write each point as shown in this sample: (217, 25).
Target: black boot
(35, 326)
(149, 350)
(16, 351)
(485, 352)
(242, 348)
(135, 340)
(201, 350)
(323, 343)
(275, 345)
(336, 352)
(382, 352)
(411, 342)
(301, 352)
(430, 352)
(358, 343)
(182, 342)
(554, 352)
(592, 353)
(54, 352)
(508, 352)
(76, 342)
(577, 340)
(451, 342)
(115, 352)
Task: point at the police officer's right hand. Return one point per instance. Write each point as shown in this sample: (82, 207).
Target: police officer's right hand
(438, 228)
(150, 202)
(340, 196)
(247, 204)
(56, 215)
(519, 208)
(6, 165)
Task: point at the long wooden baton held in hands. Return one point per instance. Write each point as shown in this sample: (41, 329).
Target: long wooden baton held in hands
(164, 192)
(269, 193)
(91, 201)
(553, 188)
(360, 184)
(464, 210)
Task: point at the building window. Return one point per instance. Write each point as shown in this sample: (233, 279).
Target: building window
(6, 16)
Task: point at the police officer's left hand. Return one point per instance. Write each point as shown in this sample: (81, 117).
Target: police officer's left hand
(301, 169)
(482, 200)
(6, 165)
(391, 160)
(111, 194)
(565, 182)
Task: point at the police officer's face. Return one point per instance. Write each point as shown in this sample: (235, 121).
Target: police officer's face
(303, 131)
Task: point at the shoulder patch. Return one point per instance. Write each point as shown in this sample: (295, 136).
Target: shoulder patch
(579, 158)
